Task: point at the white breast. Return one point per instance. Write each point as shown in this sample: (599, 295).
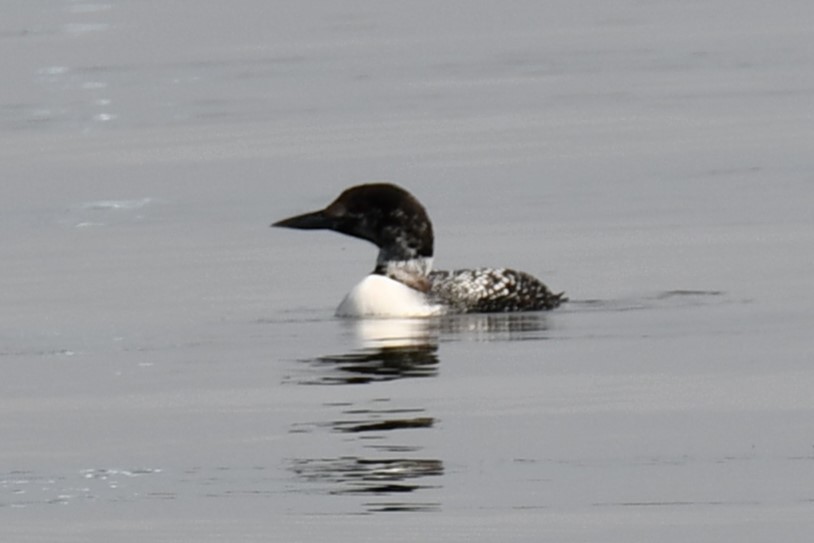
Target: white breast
(380, 296)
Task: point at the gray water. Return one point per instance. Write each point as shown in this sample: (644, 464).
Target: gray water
(171, 369)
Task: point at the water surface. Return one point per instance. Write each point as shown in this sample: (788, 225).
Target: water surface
(172, 371)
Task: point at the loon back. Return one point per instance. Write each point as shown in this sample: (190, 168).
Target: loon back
(490, 290)
(396, 222)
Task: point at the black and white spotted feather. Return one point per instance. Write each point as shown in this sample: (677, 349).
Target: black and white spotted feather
(491, 290)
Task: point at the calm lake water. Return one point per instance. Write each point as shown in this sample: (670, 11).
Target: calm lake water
(171, 367)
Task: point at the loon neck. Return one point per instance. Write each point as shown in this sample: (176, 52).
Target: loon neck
(413, 272)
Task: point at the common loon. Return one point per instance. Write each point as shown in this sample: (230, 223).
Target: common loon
(403, 284)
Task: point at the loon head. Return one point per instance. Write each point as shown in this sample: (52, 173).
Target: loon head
(382, 213)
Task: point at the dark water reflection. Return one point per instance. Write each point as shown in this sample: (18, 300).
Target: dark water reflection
(372, 365)
(372, 476)
(391, 350)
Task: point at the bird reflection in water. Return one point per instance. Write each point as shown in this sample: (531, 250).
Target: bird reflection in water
(492, 327)
(386, 468)
(407, 348)
(384, 364)
(392, 349)
(373, 476)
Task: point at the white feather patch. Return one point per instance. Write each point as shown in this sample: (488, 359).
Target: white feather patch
(380, 296)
